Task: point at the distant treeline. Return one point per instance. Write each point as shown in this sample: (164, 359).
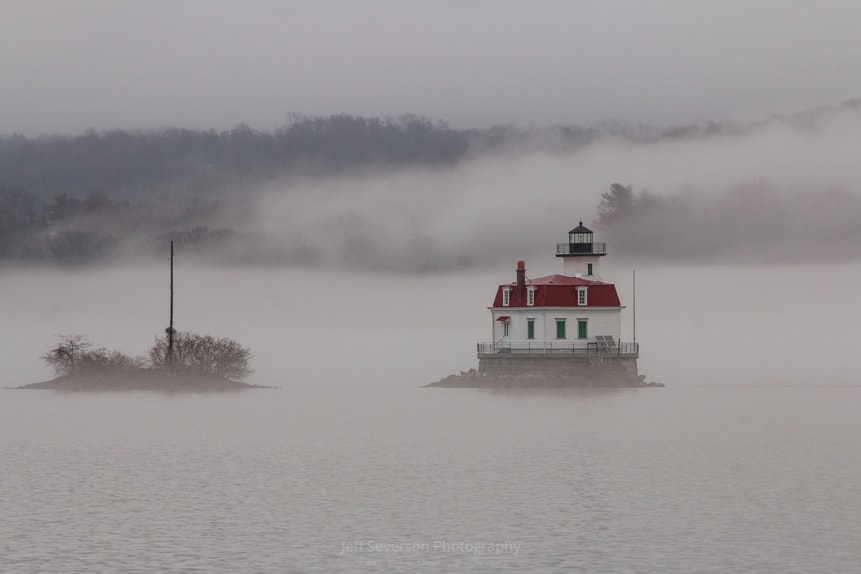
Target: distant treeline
(85, 198)
(124, 163)
(78, 199)
(72, 230)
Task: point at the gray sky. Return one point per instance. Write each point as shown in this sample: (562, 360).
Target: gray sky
(67, 65)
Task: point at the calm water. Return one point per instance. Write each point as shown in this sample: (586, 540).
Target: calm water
(351, 467)
(302, 479)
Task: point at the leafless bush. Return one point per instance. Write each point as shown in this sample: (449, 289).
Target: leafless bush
(104, 359)
(220, 356)
(74, 354)
(65, 356)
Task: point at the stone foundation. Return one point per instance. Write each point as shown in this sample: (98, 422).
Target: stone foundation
(501, 371)
(578, 368)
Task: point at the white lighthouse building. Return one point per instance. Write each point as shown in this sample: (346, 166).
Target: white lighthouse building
(566, 325)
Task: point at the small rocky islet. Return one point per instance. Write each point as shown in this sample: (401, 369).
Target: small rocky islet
(163, 380)
(178, 361)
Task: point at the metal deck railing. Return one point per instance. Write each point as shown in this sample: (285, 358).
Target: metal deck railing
(595, 248)
(561, 348)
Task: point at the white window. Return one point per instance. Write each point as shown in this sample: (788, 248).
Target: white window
(506, 297)
(530, 296)
(505, 328)
(581, 295)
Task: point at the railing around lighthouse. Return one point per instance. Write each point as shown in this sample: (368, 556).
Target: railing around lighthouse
(595, 248)
(626, 350)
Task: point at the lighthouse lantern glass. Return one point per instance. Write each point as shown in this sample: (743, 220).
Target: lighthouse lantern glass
(580, 238)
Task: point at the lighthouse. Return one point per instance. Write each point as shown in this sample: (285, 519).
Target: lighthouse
(566, 326)
(581, 255)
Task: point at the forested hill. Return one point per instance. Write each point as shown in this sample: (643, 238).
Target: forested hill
(84, 198)
(124, 163)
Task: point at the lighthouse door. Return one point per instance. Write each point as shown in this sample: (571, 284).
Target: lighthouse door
(501, 332)
(505, 341)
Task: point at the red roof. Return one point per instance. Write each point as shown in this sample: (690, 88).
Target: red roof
(561, 291)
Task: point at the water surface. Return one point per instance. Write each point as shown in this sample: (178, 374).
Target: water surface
(748, 461)
(682, 479)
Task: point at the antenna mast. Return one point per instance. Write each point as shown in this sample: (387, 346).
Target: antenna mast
(170, 329)
(634, 275)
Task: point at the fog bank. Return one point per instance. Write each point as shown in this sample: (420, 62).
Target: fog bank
(414, 196)
(781, 192)
(351, 331)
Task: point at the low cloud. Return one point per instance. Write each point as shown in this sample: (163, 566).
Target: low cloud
(786, 190)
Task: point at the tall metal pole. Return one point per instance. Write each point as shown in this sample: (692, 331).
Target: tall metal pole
(170, 329)
(634, 274)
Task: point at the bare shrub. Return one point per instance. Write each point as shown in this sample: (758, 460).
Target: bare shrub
(74, 354)
(219, 356)
(65, 356)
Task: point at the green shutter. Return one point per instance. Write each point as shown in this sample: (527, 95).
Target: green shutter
(589, 269)
(530, 329)
(582, 330)
(560, 328)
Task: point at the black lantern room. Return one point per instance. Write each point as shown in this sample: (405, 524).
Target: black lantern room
(580, 239)
(580, 242)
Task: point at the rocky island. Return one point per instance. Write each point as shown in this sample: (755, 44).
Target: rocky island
(177, 362)
(145, 380)
(185, 362)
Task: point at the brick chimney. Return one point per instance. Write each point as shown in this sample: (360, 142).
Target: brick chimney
(521, 278)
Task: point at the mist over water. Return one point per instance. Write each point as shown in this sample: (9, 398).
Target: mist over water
(784, 190)
(346, 329)
(745, 461)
